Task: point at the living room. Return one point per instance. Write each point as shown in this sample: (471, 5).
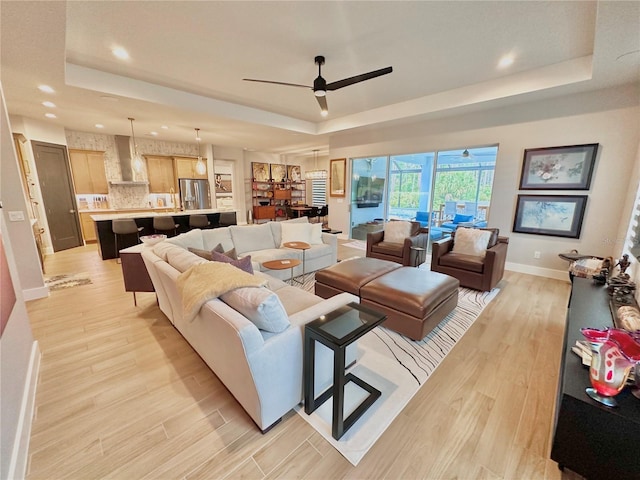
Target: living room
(607, 116)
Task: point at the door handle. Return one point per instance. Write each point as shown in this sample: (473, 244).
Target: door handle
(72, 211)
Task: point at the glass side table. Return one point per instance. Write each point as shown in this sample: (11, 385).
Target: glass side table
(337, 330)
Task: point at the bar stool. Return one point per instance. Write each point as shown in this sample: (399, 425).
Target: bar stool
(228, 218)
(165, 224)
(124, 226)
(198, 221)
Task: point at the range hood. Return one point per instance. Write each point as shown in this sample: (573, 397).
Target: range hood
(123, 146)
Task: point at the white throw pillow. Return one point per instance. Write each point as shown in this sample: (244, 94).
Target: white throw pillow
(396, 231)
(251, 238)
(260, 305)
(471, 241)
(296, 232)
(316, 234)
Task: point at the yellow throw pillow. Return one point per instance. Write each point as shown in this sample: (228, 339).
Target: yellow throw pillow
(471, 241)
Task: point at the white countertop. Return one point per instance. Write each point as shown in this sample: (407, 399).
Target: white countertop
(114, 216)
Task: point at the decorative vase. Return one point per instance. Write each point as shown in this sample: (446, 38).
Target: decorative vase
(614, 353)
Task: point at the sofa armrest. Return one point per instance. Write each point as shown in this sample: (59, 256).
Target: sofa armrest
(494, 262)
(373, 238)
(420, 240)
(439, 248)
(330, 239)
(322, 308)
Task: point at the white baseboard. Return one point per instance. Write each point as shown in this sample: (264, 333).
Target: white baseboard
(35, 293)
(538, 271)
(20, 453)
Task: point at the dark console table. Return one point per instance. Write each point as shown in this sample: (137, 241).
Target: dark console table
(594, 441)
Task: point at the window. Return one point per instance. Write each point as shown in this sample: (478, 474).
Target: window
(319, 193)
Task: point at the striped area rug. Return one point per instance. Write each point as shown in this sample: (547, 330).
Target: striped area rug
(398, 367)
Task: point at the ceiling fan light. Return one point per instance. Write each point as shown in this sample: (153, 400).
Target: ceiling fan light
(324, 113)
(320, 93)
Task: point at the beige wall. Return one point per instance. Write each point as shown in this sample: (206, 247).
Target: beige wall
(610, 118)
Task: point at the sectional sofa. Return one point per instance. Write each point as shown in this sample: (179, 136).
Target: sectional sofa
(261, 368)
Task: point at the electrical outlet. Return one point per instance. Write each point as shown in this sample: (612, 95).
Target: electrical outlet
(536, 254)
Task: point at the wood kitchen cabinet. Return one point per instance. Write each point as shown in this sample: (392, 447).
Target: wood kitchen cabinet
(161, 177)
(186, 168)
(87, 169)
(88, 227)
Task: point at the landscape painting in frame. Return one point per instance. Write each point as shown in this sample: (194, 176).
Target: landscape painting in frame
(558, 168)
(556, 215)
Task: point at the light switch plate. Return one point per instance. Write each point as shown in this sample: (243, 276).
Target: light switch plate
(16, 216)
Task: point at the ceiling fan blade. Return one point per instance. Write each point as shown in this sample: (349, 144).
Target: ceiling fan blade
(358, 78)
(277, 83)
(322, 101)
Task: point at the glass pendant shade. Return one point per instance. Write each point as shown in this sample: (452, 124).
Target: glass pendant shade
(137, 162)
(201, 167)
(315, 174)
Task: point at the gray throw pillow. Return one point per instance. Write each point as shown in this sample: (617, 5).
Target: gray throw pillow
(218, 248)
(243, 263)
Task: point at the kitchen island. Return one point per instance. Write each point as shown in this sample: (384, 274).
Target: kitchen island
(106, 238)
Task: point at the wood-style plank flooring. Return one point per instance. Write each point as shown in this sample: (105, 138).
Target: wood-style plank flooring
(122, 395)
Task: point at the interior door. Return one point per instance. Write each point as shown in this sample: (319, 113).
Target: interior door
(57, 195)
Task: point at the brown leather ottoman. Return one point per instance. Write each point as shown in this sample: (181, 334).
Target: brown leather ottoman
(414, 300)
(351, 275)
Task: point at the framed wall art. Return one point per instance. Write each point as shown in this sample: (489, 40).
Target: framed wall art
(260, 171)
(558, 168)
(293, 173)
(278, 172)
(337, 177)
(555, 215)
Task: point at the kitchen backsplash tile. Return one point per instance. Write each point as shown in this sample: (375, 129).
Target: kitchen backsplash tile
(126, 196)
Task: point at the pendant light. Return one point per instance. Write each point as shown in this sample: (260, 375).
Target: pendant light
(315, 174)
(201, 167)
(137, 160)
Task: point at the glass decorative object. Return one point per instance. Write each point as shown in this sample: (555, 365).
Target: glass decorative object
(614, 353)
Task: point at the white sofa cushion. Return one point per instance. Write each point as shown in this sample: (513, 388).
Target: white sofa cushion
(260, 305)
(276, 228)
(192, 238)
(316, 234)
(471, 241)
(249, 238)
(397, 231)
(182, 259)
(296, 232)
(214, 236)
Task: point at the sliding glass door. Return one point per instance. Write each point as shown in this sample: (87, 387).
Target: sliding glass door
(430, 188)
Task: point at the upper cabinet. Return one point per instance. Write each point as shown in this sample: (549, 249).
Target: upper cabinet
(186, 168)
(161, 176)
(87, 168)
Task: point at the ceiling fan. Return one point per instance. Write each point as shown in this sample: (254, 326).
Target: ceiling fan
(320, 85)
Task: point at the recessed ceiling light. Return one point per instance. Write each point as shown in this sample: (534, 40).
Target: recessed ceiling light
(154, 133)
(506, 61)
(49, 104)
(99, 125)
(46, 89)
(50, 115)
(164, 127)
(120, 52)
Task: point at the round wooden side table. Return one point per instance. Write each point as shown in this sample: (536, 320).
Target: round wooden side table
(299, 246)
(282, 265)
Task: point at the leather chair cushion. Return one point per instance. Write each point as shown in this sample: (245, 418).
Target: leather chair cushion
(350, 275)
(387, 248)
(461, 261)
(411, 290)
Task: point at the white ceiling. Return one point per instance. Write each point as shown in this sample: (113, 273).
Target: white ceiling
(188, 60)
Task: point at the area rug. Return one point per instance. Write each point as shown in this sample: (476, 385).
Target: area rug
(61, 282)
(398, 367)
(359, 244)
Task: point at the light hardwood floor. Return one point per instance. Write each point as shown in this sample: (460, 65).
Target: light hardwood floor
(122, 395)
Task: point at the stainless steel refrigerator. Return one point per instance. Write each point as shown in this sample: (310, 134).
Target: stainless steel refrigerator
(194, 194)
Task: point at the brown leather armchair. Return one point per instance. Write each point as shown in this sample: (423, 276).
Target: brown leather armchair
(399, 252)
(472, 271)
